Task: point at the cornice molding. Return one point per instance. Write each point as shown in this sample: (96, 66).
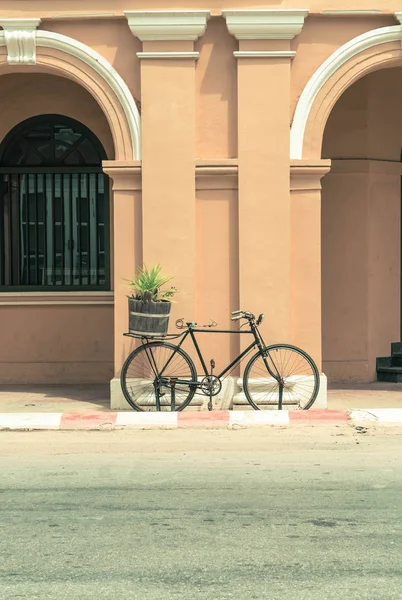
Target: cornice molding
(275, 24)
(264, 54)
(187, 55)
(306, 175)
(126, 175)
(20, 38)
(167, 25)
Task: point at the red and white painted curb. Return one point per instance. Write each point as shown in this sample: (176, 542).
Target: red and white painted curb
(166, 420)
(213, 419)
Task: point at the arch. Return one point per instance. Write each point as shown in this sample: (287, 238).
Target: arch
(33, 142)
(74, 60)
(368, 52)
(54, 208)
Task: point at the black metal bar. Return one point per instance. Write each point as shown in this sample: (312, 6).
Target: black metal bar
(62, 232)
(237, 359)
(9, 247)
(44, 229)
(88, 229)
(35, 182)
(79, 232)
(71, 232)
(54, 228)
(96, 234)
(15, 238)
(28, 225)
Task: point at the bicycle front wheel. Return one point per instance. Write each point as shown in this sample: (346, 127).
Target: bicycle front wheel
(147, 375)
(281, 374)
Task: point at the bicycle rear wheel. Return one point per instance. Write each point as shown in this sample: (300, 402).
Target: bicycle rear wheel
(147, 374)
(281, 374)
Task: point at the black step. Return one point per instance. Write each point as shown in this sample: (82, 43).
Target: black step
(396, 347)
(390, 374)
(384, 362)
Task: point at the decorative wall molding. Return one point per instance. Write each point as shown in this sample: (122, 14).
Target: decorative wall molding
(55, 298)
(150, 26)
(88, 56)
(264, 54)
(126, 175)
(352, 13)
(328, 68)
(104, 69)
(188, 55)
(274, 24)
(20, 39)
(305, 176)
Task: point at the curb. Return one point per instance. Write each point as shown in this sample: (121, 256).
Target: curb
(165, 420)
(182, 420)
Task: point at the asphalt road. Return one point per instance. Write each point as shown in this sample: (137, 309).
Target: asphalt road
(213, 515)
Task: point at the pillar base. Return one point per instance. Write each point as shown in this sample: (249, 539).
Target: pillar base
(225, 400)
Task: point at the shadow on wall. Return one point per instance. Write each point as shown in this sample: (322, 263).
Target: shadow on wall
(113, 40)
(216, 85)
(49, 94)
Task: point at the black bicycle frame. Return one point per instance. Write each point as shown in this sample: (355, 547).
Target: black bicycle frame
(258, 341)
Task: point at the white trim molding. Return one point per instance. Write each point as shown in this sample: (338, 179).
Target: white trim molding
(20, 39)
(351, 13)
(187, 55)
(49, 39)
(328, 68)
(166, 25)
(270, 24)
(264, 54)
(56, 298)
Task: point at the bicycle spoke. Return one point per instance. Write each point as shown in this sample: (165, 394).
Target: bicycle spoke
(147, 373)
(299, 380)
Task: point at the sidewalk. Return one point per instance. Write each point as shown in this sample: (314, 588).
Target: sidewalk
(87, 407)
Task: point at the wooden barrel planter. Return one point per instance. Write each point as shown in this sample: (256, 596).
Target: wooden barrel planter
(148, 318)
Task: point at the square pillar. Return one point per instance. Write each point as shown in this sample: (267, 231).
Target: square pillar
(127, 246)
(264, 65)
(168, 146)
(305, 305)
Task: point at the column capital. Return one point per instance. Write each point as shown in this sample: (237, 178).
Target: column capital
(126, 175)
(20, 36)
(167, 25)
(306, 175)
(271, 24)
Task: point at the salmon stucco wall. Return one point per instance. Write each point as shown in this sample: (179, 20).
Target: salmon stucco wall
(47, 342)
(361, 235)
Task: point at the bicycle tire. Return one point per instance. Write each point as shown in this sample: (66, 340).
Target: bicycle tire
(139, 390)
(301, 387)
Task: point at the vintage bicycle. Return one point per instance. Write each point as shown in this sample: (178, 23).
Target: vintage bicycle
(160, 375)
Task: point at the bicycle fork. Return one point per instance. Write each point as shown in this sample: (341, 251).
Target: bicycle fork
(278, 378)
(210, 388)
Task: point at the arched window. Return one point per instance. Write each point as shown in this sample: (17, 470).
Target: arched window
(54, 208)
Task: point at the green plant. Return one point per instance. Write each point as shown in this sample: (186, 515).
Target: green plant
(147, 283)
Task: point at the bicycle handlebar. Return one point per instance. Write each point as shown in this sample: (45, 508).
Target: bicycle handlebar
(242, 314)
